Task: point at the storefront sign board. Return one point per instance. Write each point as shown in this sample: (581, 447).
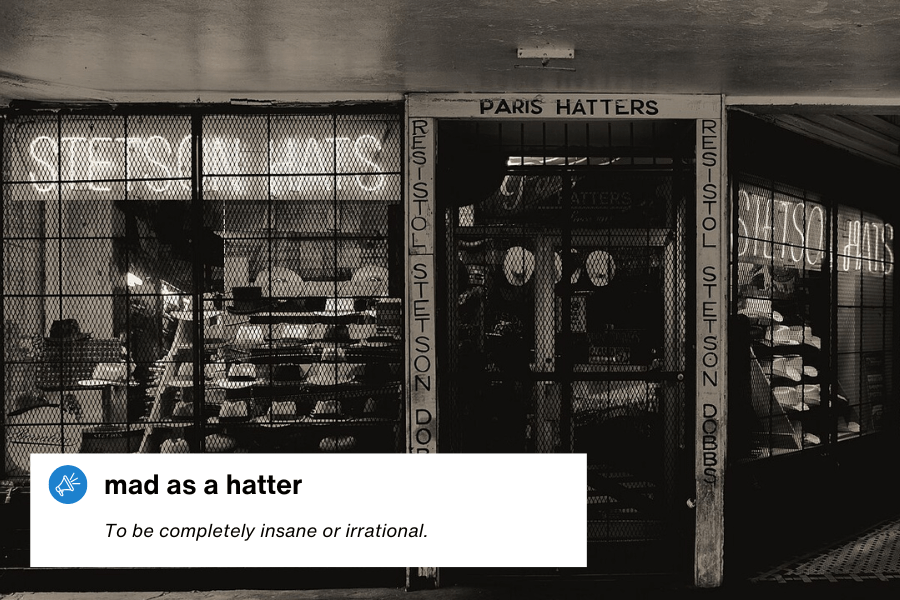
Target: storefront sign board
(711, 378)
(421, 413)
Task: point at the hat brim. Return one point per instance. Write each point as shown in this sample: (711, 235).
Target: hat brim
(234, 385)
(106, 382)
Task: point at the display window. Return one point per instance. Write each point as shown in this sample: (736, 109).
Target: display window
(813, 320)
(202, 282)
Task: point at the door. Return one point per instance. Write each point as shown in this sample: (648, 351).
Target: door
(567, 321)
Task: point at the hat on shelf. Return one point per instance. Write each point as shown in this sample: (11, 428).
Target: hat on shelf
(370, 280)
(797, 397)
(337, 333)
(240, 375)
(759, 308)
(247, 300)
(184, 376)
(283, 409)
(233, 410)
(67, 330)
(248, 335)
(217, 442)
(290, 331)
(289, 373)
(280, 283)
(789, 367)
(336, 373)
(600, 267)
(174, 446)
(333, 353)
(335, 307)
(360, 331)
(183, 411)
(108, 374)
(518, 265)
(327, 409)
(337, 443)
(780, 335)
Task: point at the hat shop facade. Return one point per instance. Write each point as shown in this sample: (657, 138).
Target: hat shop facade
(462, 273)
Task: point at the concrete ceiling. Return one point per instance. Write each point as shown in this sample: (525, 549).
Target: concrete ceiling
(216, 50)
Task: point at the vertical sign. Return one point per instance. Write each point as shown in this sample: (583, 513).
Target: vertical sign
(711, 289)
(421, 413)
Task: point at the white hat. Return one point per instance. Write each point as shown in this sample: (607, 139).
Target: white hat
(789, 366)
(284, 283)
(108, 374)
(332, 373)
(518, 265)
(233, 409)
(240, 375)
(248, 335)
(370, 280)
(174, 446)
(600, 267)
(184, 377)
(758, 308)
(283, 409)
(337, 307)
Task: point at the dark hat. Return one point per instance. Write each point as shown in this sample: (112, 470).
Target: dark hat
(247, 300)
(336, 333)
(286, 374)
(67, 329)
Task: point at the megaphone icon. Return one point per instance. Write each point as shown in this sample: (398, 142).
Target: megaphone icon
(66, 484)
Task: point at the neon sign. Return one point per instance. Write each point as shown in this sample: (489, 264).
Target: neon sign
(160, 165)
(788, 233)
(791, 233)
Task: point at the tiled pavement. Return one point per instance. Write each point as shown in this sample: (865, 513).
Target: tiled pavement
(872, 555)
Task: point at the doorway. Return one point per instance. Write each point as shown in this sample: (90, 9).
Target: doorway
(566, 261)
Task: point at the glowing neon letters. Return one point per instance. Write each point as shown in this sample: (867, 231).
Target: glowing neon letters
(157, 165)
(791, 233)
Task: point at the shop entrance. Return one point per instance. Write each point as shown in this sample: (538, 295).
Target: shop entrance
(566, 259)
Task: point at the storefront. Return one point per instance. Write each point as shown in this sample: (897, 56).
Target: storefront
(813, 398)
(465, 273)
(202, 279)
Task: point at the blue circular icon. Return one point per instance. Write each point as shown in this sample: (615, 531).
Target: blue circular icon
(68, 484)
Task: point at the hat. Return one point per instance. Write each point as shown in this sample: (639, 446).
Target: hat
(174, 446)
(518, 265)
(233, 410)
(333, 353)
(797, 397)
(108, 374)
(327, 409)
(67, 330)
(370, 280)
(336, 373)
(600, 267)
(183, 411)
(184, 377)
(337, 307)
(337, 333)
(248, 335)
(289, 374)
(759, 308)
(789, 367)
(240, 375)
(360, 331)
(280, 283)
(217, 442)
(290, 331)
(28, 401)
(283, 409)
(247, 300)
(780, 335)
(337, 443)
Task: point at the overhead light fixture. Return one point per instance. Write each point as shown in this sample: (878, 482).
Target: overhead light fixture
(546, 53)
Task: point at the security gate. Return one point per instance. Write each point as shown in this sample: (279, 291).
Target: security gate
(566, 257)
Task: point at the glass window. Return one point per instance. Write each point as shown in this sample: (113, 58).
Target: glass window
(813, 320)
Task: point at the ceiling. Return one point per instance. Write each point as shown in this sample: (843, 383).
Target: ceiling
(308, 50)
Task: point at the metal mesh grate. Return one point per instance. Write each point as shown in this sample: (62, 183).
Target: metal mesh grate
(566, 254)
(127, 274)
